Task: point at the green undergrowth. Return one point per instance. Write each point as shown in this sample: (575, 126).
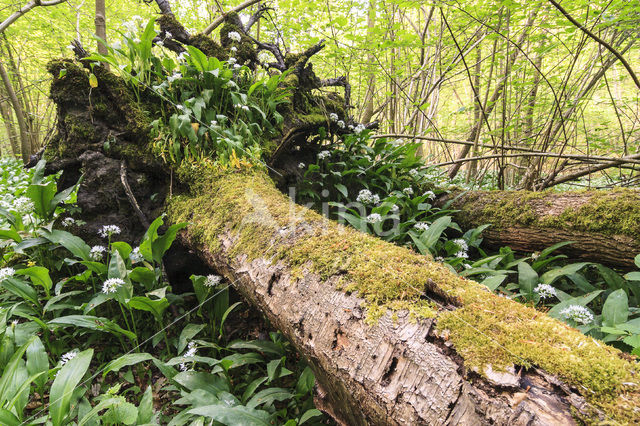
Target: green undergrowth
(613, 212)
(486, 329)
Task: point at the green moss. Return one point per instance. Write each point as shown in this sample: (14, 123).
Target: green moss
(245, 51)
(485, 329)
(613, 212)
(209, 47)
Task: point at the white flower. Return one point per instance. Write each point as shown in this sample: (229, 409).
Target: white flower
(235, 36)
(68, 221)
(324, 154)
(96, 252)
(234, 49)
(136, 40)
(6, 273)
(111, 285)
(175, 76)
(168, 35)
(462, 244)
(180, 107)
(212, 280)
(23, 205)
(408, 190)
(182, 56)
(232, 61)
(264, 57)
(117, 45)
(302, 166)
(136, 256)
(366, 197)
(191, 350)
(109, 230)
(430, 195)
(213, 123)
(340, 124)
(462, 254)
(577, 313)
(14, 323)
(395, 209)
(359, 129)
(439, 259)
(421, 226)
(244, 107)
(237, 66)
(545, 291)
(374, 218)
(413, 173)
(160, 43)
(70, 47)
(68, 357)
(333, 116)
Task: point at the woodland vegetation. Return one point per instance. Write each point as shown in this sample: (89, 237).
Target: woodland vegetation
(274, 212)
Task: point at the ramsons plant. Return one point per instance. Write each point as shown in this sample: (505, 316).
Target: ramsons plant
(79, 322)
(217, 109)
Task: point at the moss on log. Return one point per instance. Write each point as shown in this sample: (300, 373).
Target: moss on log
(276, 251)
(605, 225)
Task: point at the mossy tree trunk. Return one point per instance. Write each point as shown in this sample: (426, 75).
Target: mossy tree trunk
(393, 337)
(604, 225)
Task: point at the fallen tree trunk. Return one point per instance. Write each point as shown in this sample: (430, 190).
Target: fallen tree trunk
(393, 337)
(604, 225)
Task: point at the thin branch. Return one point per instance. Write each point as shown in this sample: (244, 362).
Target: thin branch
(598, 40)
(220, 19)
(614, 161)
(24, 9)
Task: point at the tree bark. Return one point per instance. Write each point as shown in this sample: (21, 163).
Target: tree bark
(25, 140)
(605, 226)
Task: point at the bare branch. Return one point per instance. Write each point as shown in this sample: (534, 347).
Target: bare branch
(220, 19)
(24, 9)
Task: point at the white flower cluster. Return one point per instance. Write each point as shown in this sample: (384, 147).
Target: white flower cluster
(97, 252)
(374, 218)
(182, 56)
(6, 273)
(461, 243)
(408, 190)
(395, 209)
(23, 205)
(421, 226)
(545, 291)
(232, 61)
(366, 197)
(359, 129)
(190, 353)
(109, 230)
(578, 314)
(173, 77)
(430, 195)
(340, 124)
(111, 285)
(264, 57)
(136, 256)
(212, 280)
(68, 221)
(242, 107)
(323, 154)
(234, 35)
(68, 357)
(413, 173)
(333, 117)
(302, 165)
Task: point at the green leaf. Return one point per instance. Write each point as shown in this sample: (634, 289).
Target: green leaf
(93, 80)
(156, 307)
(187, 334)
(64, 384)
(616, 308)
(121, 413)
(192, 380)
(343, 189)
(11, 373)
(144, 276)
(92, 323)
(527, 279)
(251, 388)
(123, 248)
(162, 244)
(494, 281)
(117, 267)
(237, 416)
(21, 289)
(552, 275)
(105, 403)
(636, 260)
(309, 414)
(306, 381)
(431, 236)
(74, 244)
(39, 276)
(269, 395)
(149, 237)
(633, 276)
(8, 418)
(125, 361)
(42, 195)
(145, 409)
(633, 341)
(581, 300)
(37, 361)
(226, 314)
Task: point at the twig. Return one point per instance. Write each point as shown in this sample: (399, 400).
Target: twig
(220, 19)
(132, 198)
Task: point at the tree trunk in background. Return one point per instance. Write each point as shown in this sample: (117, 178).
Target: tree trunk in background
(101, 27)
(371, 84)
(14, 141)
(25, 140)
(605, 225)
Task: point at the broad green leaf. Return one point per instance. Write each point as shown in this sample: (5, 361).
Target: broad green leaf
(66, 381)
(12, 373)
(527, 279)
(72, 243)
(431, 236)
(39, 276)
(551, 276)
(105, 403)
(192, 380)
(237, 416)
(309, 414)
(162, 243)
(616, 308)
(269, 395)
(42, 195)
(306, 381)
(156, 307)
(145, 409)
(581, 300)
(251, 388)
(92, 323)
(8, 418)
(494, 281)
(187, 334)
(125, 361)
(37, 361)
(21, 289)
(343, 189)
